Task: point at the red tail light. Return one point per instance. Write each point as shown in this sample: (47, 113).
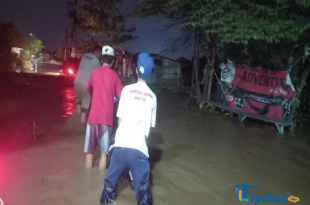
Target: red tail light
(71, 71)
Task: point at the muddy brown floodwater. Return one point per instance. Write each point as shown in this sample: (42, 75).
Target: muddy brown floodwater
(196, 157)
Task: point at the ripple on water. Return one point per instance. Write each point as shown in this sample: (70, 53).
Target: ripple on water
(68, 102)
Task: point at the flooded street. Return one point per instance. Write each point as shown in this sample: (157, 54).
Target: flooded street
(197, 157)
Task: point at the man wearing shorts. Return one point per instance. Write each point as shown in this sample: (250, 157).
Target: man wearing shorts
(136, 113)
(88, 63)
(104, 84)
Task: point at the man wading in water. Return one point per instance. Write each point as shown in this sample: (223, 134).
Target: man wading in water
(88, 63)
(136, 113)
(104, 84)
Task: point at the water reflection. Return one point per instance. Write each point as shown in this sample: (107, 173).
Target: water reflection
(68, 101)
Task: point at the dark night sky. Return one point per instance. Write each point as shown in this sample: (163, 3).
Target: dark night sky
(46, 20)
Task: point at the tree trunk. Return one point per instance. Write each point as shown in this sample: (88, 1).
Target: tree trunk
(299, 91)
(193, 72)
(211, 68)
(193, 81)
(196, 69)
(205, 87)
(198, 91)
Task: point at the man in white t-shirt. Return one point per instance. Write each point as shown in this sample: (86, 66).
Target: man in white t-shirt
(136, 113)
(88, 63)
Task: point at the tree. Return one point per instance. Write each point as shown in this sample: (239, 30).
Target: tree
(102, 18)
(31, 46)
(9, 37)
(227, 21)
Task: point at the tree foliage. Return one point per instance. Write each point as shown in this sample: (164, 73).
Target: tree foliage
(236, 21)
(273, 34)
(101, 18)
(31, 46)
(9, 37)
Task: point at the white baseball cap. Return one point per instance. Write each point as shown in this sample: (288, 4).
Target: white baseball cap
(107, 50)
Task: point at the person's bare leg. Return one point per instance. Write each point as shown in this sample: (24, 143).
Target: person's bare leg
(78, 109)
(86, 99)
(83, 117)
(103, 162)
(89, 161)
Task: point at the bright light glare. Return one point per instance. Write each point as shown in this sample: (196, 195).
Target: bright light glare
(50, 73)
(71, 71)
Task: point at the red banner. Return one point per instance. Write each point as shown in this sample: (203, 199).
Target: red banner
(257, 91)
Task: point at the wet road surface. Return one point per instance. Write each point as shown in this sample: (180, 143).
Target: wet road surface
(197, 158)
(46, 68)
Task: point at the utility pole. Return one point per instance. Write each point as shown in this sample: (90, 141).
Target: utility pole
(66, 44)
(72, 34)
(74, 23)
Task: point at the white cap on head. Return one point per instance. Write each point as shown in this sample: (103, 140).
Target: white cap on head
(107, 50)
